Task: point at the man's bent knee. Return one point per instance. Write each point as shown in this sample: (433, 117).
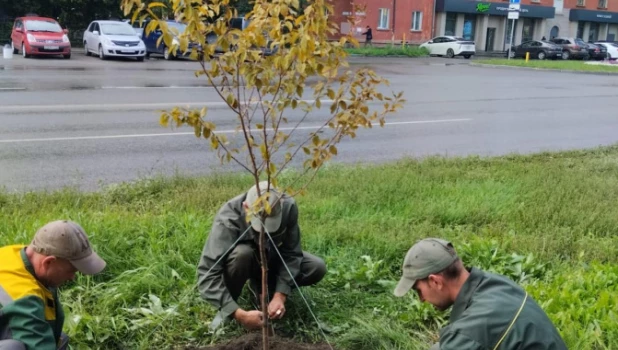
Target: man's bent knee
(11, 344)
(313, 269)
(242, 254)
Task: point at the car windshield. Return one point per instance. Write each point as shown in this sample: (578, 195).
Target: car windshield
(117, 29)
(179, 27)
(43, 26)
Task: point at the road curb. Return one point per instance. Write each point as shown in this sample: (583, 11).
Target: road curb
(542, 69)
(386, 56)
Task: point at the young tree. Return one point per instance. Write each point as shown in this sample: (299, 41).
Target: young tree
(273, 75)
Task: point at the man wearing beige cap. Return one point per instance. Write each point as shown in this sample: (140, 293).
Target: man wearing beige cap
(31, 315)
(489, 311)
(230, 256)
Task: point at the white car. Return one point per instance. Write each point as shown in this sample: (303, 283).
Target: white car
(450, 46)
(612, 49)
(113, 39)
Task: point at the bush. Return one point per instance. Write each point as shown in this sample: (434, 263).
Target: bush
(390, 50)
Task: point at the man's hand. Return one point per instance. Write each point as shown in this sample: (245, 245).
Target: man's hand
(276, 308)
(249, 319)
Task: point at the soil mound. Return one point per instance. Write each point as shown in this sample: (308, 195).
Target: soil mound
(253, 341)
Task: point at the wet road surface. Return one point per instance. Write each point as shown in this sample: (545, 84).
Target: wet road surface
(87, 123)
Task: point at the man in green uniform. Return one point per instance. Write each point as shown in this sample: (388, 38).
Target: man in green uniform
(489, 312)
(230, 257)
(31, 315)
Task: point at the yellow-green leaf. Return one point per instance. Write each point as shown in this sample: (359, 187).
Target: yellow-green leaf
(156, 4)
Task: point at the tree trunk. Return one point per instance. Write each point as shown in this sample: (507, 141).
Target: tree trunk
(264, 299)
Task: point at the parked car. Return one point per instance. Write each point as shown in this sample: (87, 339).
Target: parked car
(538, 49)
(572, 48)
(150, 40)
(450, 46)
(612, 49)
(113, 39)
(139, 30)
(39, 36)
(596, 52)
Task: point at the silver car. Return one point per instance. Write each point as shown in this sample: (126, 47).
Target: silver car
(113, 39)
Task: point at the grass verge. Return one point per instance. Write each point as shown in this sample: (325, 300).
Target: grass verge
(579, 66)
(549, 221)
(377, 51)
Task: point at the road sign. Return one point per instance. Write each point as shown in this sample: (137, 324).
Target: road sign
(514, 1)
(513, 15)
(514, 7)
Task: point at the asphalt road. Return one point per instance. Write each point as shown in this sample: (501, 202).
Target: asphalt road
(87, 123)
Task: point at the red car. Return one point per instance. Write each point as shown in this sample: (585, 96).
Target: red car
(39, 36)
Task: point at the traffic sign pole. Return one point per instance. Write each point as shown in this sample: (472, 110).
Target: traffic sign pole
(514, 8)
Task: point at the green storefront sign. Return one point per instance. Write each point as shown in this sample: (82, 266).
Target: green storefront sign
(483, 7)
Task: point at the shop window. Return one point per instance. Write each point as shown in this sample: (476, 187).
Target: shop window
(469, 28)
(417, 20)
(383, 23)
(528, 30)
(509, 33)
(555, 31)
(451, 23)
(593, 34)
(580, 29)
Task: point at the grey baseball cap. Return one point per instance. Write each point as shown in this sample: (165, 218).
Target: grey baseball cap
(426, 257)
(273, 220)
(67, 240)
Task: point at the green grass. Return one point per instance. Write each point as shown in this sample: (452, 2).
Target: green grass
(390, 50)
(549, 221)
(549, 64)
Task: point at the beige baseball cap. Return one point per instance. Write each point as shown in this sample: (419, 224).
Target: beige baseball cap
(426, 257)
(272, 221)
(67, 240)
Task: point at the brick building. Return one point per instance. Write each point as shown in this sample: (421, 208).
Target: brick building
(389, 19)
(589, 20)
(485, 22)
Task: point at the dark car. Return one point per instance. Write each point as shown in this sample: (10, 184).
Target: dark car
(151, 39)
(538, 49)
(572, 48)
(596, 52)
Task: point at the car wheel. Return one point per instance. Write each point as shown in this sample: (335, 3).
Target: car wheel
(450, 53)
(140, 59)
(541, 55)
(15, 51)
(23, 51)
(167, 55)
(566, 55)
(467, 56)
(86, 52)
(66, 57)
(101, 53)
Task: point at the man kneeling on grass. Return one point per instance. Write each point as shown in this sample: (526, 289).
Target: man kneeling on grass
(489, 311)
(221, 284)
(31, 315)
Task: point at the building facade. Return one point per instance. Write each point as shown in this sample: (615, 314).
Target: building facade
(590, 20)
(389, 20)
(484, 22)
